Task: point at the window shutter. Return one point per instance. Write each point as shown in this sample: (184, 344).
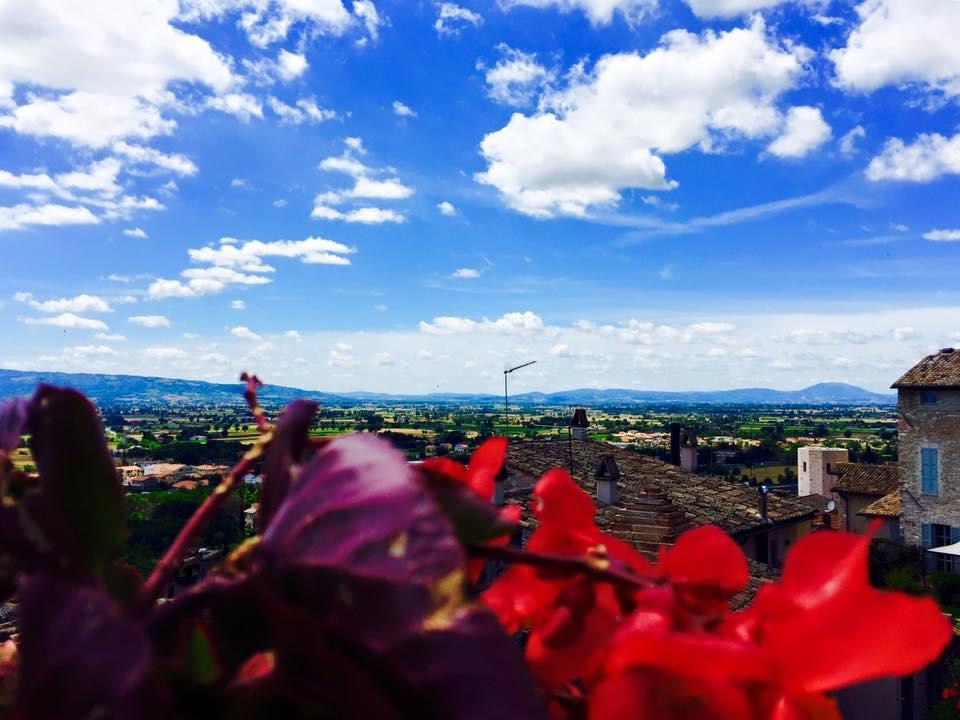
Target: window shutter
(927, 535)
(929, 471)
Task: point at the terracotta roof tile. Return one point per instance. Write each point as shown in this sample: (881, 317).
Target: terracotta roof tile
(651, 489)
(939, 370)
(862, 479)
(888, 506)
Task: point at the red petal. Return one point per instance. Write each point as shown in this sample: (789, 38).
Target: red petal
(806, 707)
(485, 465)
(662, 696)
(823, 565)
(706, 557)
(445, 467)
(561, 503)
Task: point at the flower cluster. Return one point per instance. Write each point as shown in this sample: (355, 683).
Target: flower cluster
(359, 597)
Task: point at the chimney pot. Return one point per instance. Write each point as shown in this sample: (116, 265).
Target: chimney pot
(607, 475)
(579, 424)
(688, 450)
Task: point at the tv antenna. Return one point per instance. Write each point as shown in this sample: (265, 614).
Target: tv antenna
(506, 403)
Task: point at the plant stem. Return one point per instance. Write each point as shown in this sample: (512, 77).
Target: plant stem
(600, 571)
(250, 395)
(166, 569)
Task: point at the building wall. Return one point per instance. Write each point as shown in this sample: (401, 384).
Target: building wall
(813, 477)
(772, 547)
(936, 425)
(850, 518)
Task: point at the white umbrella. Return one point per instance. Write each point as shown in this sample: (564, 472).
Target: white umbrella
(947, 549)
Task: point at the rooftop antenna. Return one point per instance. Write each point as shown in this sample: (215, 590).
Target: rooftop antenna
(506, 404)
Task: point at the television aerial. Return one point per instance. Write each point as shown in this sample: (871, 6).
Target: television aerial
(506, 402)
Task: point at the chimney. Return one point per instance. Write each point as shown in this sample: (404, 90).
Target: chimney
(607, 475)
(579, 424)
(763, 492)
(688, 450)
(499, 487)
(674, 443)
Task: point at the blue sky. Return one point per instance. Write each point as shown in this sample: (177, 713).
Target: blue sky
(407, 196)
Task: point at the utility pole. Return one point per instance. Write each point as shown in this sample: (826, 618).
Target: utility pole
(506, 402)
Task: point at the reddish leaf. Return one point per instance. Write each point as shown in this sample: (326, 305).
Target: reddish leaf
(290, 436)
(81, 505)
(79, 658)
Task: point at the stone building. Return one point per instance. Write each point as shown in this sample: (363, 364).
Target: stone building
(929, 454)
(814, 469)
(859, 487)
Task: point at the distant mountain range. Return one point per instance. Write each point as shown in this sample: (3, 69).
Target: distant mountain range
(108, 389)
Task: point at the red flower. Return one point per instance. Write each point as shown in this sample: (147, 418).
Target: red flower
(822, 628)
(569, 616)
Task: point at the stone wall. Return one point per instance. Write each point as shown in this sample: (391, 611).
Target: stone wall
(813, 477)
(920, 426)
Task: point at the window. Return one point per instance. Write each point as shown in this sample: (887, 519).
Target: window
(929, 397)
(936, 535)
(930, 471)
(804, 465)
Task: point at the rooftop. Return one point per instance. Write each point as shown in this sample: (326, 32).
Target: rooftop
(941, 370)
(888, 506)
(651, 491)
(862, 479)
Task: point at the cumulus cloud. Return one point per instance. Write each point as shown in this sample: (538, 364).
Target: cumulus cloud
(403, 110)
(729, 8)
(136, 233)
(78, 304)
(244, 333)
(20, 216)
(446, 208)
(238, 305)
(517, 77)
(899, 42)
(466, 273)
(150, 321)
(605, 130)
(599, 12)
(805, 130)
(452, 19)
(302, 111)
(164, 353)
(513, 323)
(848, 143)
(243, 106)
(69, 321)
(927, 158)
(368, 184)
(942, 235)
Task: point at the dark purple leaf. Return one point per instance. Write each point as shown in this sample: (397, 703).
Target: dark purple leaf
(79, 657)
(82, 508)
(290, 436)
(13, 420)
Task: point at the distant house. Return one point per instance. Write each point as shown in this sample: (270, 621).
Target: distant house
(929, 454)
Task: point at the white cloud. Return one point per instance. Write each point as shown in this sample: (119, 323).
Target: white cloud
(150, 321)
(135, 233)
(666, 272)
(942, 235)
(164, 353)
(382, 358)
(517, 77)
(266, 23)
(600, 12)
(446, 208)
(84, 351)
(238, 305)
(368, 184)
(362, 215)
(513, 323)
(304, 110)
(140, 155)
(452, 19)
(466, 273)
(249, 255)
(561, 350)
(601, 133)
(280, 203)
(291, 65)
(239, 183)
(241, 105)
(79, 304)
(69, 321)
(848, 143)
(905, 333)
(341, 359)
(805, 130)
(403, 110)
(118, 278)
(929, 157)
(244, 333)
(20, 216)
(729, 8)
(899, 42)
(110, 337)
(380, 307)
(293, 335)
